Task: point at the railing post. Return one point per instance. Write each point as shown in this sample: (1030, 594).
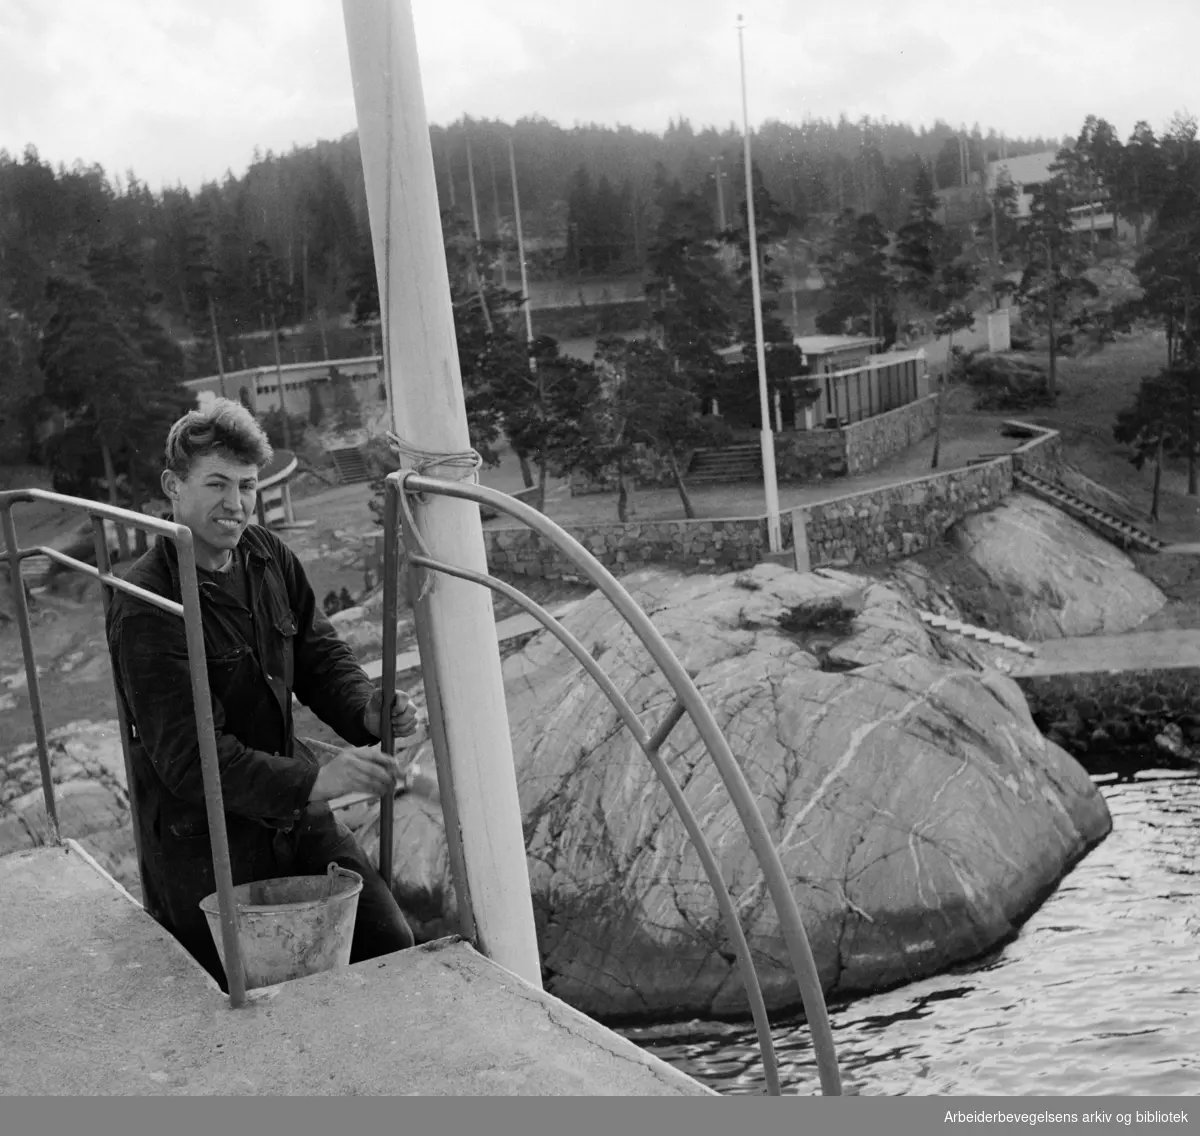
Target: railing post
(31, 675)
(210, 768)
(104, 564)
(387, 803)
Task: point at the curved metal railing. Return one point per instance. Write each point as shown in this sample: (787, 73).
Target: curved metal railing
(189, 611)
(688, 700)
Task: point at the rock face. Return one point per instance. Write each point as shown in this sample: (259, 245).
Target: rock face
(1070, 581)
(91, 797)
(915, 806)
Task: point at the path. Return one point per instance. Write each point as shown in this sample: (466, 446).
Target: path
(1132, 651)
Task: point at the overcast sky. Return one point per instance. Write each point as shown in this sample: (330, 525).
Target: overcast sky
(182, 90)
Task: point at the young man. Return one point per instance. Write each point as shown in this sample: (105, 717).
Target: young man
(265, 638)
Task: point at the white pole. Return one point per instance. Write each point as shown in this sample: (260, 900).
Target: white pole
(512, 163)
(426, 396)
(774, 536)
(474, 201)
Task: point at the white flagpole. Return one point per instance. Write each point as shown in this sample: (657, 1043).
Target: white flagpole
(774, 534)
(475, 760)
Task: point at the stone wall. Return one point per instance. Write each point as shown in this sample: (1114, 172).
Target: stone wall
(721, 545)
(877, 524)
(1107, 712)
(896, 520)
(873, 440)
(1041, 455)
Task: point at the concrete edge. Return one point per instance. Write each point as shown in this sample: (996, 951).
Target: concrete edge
(79, 850)
(613, 1042)
(75, 847)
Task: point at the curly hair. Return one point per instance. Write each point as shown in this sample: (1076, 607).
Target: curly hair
(225, 427)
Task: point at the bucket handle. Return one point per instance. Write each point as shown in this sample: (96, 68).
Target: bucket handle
(332, 872)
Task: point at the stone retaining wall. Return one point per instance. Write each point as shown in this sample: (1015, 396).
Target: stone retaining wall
(1110, 711)
(877, 524)
(897, 520)
(1041, 456)
(720, 545)
(800, 455)
(873, 440)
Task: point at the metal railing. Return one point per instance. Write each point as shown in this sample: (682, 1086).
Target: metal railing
(189, 611)
(399, 521)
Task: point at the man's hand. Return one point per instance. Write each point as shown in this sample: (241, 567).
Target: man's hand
(355, 771)
(404, 715)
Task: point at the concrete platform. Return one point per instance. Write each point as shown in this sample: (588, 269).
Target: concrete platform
(98, 999)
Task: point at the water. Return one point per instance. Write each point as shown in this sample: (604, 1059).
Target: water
(1098, 994)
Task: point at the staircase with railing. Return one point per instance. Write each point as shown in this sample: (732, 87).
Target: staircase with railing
(1108, 525)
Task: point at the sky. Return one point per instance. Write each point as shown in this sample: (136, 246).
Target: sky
(180, 91)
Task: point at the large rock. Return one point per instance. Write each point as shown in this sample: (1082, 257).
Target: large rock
(1068, 581)
(917, 809)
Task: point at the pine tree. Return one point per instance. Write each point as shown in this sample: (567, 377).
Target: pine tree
(920, 243)
(1053, 280)
(859, 298)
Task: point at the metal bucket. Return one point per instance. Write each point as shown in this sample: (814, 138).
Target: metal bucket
(291, 927)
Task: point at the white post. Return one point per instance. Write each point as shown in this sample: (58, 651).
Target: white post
(774, 533)
(425, 384)
(474, 200)
(512, 162)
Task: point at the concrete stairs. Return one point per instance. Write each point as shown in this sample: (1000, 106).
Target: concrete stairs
(1111, 527)
(943, 623)
(350, 465)
(741, 461)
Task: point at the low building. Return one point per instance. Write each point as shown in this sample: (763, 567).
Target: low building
(259, 386)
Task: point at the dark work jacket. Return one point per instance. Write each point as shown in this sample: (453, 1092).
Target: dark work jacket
(254, 667)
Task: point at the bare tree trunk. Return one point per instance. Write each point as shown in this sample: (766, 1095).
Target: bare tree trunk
(212, 318)
(1189, 359)
(135, 503)
(110, 475)
(541, 487)
(526, 469)
(938, 410)
(688, 509)
(1158, 457)
(1052, 375)
(283, 414)
(624, 495)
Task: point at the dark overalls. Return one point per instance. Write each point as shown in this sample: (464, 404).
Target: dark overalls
(258, 656)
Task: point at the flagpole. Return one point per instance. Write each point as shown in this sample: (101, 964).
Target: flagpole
(471, 736)
(512, 162)
(774, 534)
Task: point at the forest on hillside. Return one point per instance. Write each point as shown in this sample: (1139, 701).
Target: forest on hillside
(111, 293)
(587, 196)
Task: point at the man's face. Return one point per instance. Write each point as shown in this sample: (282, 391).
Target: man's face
(215, 501)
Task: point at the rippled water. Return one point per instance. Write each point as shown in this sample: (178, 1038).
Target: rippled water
(1098, 994)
